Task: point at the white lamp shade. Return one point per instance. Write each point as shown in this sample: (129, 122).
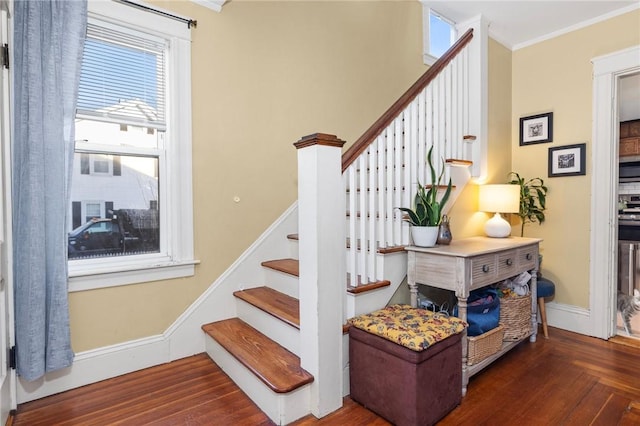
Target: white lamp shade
(500, 198)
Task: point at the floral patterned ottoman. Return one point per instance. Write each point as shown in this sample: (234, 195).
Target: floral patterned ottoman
(405, 364)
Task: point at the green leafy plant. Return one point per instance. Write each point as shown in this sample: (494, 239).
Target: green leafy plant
(533, 199)
(427, 209)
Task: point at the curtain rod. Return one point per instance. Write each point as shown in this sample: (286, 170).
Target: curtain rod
(190, 22)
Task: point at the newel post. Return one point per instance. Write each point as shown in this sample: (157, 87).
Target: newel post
(322, 242)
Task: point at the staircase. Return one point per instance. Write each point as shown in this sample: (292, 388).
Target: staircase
(264, 348)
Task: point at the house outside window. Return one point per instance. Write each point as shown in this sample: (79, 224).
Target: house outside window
(439, 34)
(131, 202)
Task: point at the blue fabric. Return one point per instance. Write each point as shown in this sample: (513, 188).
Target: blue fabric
(49, 37)
(545, 287)
(483, 311)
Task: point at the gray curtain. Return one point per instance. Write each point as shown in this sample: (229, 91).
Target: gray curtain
(49, 37)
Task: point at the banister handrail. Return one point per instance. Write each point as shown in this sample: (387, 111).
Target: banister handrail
(387, 118)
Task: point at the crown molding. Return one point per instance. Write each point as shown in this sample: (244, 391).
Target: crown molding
(211, 4)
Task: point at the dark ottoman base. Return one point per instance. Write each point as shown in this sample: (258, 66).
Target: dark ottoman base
(404, 386)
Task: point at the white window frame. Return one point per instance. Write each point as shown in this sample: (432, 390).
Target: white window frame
(83, 209)
(92, 165)
(176, 258)
(428, 57)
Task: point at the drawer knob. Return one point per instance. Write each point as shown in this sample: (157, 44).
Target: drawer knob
(509, 262)
(528, 256)
(485, 268)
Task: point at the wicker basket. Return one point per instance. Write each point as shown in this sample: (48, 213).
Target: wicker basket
(515, 317)
(484, 345)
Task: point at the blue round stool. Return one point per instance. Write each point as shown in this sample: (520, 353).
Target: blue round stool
(545, 288)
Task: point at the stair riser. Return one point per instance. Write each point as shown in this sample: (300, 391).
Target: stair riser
(393, 267)
(285, 283)
(281, 408)
(277, 330)
(293, 249)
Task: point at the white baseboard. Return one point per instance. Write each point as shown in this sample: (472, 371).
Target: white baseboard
(96, 365)
(569, 317)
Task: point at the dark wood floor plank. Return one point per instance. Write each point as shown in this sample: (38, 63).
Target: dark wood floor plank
(612, 411)
(589, 406)
(631, 415)
(567, 380)
(154, 388)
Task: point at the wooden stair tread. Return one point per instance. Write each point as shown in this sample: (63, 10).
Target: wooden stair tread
(363, 288)
(273, 302)
(288, 266)
(275, 366)
(458, 162)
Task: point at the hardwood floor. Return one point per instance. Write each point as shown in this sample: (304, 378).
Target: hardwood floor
(567, 379)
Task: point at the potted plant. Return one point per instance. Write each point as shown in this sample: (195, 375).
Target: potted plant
(426, 214)
(533, 197)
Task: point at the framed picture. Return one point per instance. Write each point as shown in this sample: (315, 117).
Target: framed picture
(568, 160)
(536, 129)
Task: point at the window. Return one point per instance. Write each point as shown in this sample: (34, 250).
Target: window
(131, 202)
(439, 35)
(93, 210)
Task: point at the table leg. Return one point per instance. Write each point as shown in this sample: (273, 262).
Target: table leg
(462, 314)
(413, 291)
(534, 305)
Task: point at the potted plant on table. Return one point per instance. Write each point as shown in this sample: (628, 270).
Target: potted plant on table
(533, 199)
(426, 214)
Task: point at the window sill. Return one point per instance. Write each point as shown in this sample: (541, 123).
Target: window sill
(82, 279)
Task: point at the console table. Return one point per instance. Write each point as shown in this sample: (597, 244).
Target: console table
(471, 263)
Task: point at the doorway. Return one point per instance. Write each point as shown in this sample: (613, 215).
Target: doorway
(628, 258)
(603, 268)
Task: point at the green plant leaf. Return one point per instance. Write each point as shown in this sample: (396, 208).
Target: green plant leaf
(533, 198)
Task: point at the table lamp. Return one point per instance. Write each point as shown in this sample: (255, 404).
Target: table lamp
(499, 199)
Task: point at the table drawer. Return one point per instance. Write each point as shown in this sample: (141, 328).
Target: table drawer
(527, 257)
(483, 270)
(507, 264)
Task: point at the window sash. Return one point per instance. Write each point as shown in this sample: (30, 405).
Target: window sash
(123, 77)
(438, 25)
(176, 258)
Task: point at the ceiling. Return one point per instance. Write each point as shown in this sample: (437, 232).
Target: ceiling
(517, 24)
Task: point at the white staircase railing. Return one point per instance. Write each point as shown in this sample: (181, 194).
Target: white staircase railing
(382, 170)
(379, 173)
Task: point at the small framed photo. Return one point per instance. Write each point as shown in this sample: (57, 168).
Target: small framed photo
(568, 160)
(536, 129)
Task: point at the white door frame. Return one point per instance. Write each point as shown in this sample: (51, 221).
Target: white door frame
(7, 338)
(607, 71)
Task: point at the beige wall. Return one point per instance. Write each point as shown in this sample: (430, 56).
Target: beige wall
(466, 220)
(264, 74)
(555, 76)
(267, 73)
